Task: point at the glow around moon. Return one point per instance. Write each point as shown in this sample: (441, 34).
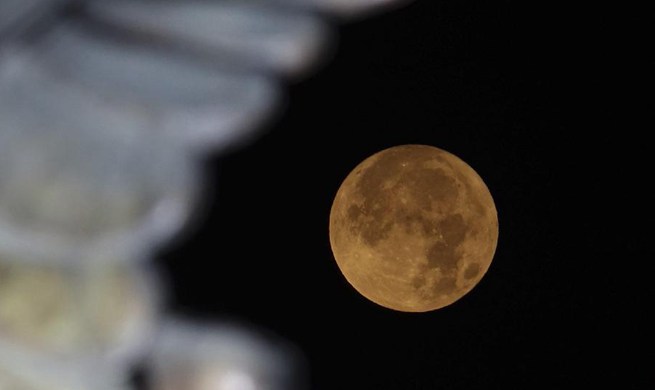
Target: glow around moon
(413, 228)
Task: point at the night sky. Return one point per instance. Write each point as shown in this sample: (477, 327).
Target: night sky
(541, 101)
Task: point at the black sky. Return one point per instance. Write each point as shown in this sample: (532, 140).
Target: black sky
(541, 100)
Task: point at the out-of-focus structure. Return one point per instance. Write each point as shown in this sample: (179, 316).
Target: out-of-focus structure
(226, 356)
(104, 108)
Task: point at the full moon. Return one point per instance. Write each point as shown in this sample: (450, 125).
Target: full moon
(413, 228)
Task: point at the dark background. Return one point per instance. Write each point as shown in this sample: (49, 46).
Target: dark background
(544, 101)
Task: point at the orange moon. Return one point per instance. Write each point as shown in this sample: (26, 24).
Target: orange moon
(413, 228)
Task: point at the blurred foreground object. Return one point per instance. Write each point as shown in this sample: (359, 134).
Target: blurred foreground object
(223, 357)
(80, 176)
(16, 375)
(77, 313)
(106, 108)
(103, 104)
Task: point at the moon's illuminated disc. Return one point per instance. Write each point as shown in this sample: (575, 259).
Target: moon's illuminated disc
(413, 228)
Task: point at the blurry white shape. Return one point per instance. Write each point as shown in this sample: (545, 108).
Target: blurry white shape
(231, 380)
(253, 34)
(195, 104)
(222, 357)
(51, 375)
(104, 313)
(347, 8)
(81, 176)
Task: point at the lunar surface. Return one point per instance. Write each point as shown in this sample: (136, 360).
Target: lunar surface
(413, 228)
